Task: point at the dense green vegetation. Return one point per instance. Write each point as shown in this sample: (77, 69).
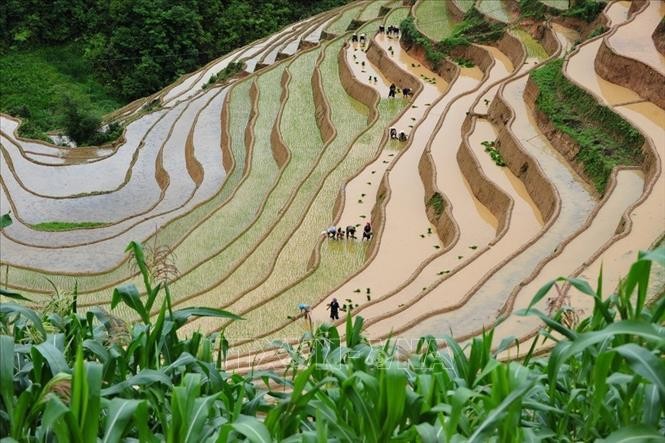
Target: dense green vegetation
(104, 54)
(65, 226)
(437, 203)
(38, 85)
(606, 140)
(586, 10)
(77, 377)
(494, 153)
(472, 29)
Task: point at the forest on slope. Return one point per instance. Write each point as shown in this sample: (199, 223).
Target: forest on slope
(98, 55)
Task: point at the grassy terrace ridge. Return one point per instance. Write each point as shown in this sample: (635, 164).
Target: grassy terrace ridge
(35, 82)
(340, 25)
(54, 226)
(119, 382)
(606, 140)
(433, 20)
(587, 10)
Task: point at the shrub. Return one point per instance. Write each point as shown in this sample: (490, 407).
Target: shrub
(85, 128)
(437, 203)
(598, 30)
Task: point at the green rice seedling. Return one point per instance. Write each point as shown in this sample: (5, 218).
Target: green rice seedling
(349, 124)
(331, 269)
(494, 9)
(201, 277)
(533, 47)
(340, 25)
(395, 17)
(490, 148)
(244, 204)
(465, 5)
(433, 20)
(371, 11)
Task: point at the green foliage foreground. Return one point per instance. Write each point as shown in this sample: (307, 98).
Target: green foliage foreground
(73, 377)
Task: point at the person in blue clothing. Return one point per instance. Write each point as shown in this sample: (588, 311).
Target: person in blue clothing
(305, 310)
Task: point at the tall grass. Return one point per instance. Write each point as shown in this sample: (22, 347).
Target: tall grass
(74, 377)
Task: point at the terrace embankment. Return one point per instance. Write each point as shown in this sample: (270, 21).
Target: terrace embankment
(392, 71)
(658, 37)
(630, 73)
(457, 270)
(280, 152)
(631, 214)
(485, 190)
(355, 88)
(592, 137)
(321, 108)
(403, 200)
(623, 191)
(646, 217)
(437, 205)
(467, 211)
(523, 165)
(584, 28)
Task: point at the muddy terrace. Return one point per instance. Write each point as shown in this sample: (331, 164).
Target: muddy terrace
(535, 155)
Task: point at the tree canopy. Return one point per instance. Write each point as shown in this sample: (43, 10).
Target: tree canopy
(137, 47)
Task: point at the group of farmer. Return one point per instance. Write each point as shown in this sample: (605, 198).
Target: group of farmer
(338, 233)
(333, 307)
(335, 233)
(391, 31)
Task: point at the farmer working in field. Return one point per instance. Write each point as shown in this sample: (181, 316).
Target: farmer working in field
(334, 309)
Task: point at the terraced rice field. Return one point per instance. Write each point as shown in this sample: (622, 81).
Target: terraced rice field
(433, 19)
(482, 204)
(495, 9)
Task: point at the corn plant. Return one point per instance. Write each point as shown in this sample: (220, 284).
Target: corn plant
(79, 378)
